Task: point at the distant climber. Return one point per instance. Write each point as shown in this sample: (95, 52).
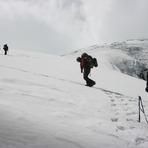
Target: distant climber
(5, 48)
(86, 63)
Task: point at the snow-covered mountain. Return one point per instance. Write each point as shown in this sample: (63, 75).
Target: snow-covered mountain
(44, 102)
(129, 57)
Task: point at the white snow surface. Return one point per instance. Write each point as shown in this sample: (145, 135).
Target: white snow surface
(129, 57)
(44, 103)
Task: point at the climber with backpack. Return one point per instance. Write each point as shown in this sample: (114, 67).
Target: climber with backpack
(86, 63)
(5, 49)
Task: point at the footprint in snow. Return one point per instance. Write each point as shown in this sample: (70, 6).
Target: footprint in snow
(140, 140)
(112, 100)
(114, 119)
(122, 128)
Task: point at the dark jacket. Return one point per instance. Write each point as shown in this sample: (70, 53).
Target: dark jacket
(5, 47)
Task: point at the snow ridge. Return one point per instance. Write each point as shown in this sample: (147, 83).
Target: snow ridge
(44, 102)
(129, 57)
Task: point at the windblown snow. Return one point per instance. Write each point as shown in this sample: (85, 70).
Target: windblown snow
(44, 102)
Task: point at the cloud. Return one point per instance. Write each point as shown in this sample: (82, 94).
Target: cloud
(116, 20)
(57, 25)
(60, 26)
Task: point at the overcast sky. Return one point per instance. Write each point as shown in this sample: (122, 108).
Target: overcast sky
(62, 26)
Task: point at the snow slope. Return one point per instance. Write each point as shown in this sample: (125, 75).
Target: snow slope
(44, 103)
(129, 57)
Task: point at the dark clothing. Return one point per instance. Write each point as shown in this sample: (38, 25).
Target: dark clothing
(84, 64)
(89, 82)
(5, 49)
(146, 89)
(5, 52)
(85, 69)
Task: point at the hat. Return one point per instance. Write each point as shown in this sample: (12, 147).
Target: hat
(84, 55)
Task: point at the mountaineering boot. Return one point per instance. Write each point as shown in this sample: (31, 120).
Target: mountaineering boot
(92, 84)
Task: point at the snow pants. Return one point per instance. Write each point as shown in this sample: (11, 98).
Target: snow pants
(89, 82)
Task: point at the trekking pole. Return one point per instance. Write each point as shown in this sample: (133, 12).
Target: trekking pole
(144, 111)
(139, 107)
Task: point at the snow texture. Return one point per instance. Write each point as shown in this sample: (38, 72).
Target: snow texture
(44, 102)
